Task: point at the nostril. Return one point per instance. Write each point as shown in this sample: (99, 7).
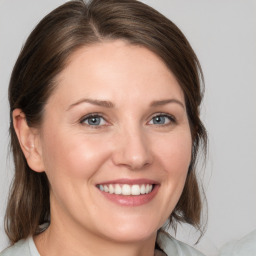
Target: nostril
(132, 150)
(140, 165)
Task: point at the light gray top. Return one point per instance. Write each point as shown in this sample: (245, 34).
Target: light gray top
(243, 247)
(171, 247)
(23, 247)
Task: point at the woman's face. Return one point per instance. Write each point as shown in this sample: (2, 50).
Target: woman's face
(115, 142)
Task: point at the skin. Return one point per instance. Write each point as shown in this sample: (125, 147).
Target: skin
(127, 144)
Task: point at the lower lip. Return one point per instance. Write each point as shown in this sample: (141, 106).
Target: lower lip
(131, 200)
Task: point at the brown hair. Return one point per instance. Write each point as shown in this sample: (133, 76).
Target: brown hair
(44, 55)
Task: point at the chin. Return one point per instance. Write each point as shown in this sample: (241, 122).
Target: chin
(132, 236)
(132, 231)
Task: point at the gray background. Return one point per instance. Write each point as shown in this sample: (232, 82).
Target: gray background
(223, 34)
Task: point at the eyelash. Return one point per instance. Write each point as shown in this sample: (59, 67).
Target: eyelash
(94, 115)
(171, 118)
(82, 121)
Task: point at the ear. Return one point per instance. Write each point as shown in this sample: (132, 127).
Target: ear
(29, 140)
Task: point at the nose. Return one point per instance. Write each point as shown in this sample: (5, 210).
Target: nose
(132, 150)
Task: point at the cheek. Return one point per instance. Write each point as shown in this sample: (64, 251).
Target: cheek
(71, 165)
(174, 153)
(72, 156)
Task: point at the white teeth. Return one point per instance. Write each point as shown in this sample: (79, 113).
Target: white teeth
(111, 189)
(106, 188)
(148, 188)
(135, 190)
(118, 190)
(126, 190)
(143, 189)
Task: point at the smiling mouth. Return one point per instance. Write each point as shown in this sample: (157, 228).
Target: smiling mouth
(126, 189)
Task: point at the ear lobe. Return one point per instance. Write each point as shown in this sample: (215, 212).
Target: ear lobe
(29, 141)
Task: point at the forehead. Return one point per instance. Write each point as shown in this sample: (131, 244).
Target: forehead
(116, 68)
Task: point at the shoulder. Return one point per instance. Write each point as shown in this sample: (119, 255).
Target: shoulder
(245, 246)
(172, 246)
(19, 248)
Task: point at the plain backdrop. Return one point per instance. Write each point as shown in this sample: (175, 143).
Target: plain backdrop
(223, 35)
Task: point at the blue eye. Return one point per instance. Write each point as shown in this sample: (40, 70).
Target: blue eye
(94, 120)
(161, 120)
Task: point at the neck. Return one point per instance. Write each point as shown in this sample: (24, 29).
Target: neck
(67, 240)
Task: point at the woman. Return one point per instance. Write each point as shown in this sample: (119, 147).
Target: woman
(105, 131)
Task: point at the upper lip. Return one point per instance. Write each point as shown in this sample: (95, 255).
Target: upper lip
(129, 181)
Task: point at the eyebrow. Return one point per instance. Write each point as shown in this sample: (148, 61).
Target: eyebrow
(167, 101)
(109, 104)
(101, 103)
